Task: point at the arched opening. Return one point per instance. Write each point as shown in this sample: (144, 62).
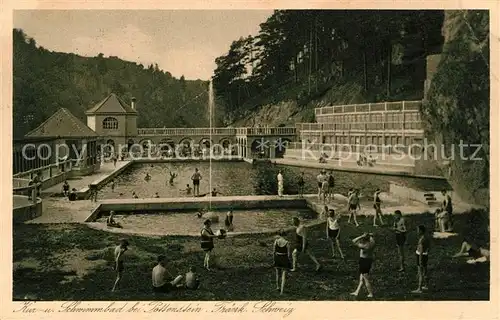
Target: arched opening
(203, 147)
(110, 123)
(260, 148)
(185, 147)
(280, 147)
(225, 147)
(167, 148)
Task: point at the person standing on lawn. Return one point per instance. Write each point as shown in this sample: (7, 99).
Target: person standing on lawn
(119, 259)
(282, 262)
(422, 255)
(366, 245)
(400, 231)
(301, 245)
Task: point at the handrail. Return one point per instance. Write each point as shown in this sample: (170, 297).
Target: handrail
(218, 131)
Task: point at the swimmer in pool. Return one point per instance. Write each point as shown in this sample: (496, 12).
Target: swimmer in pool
(188, 190)
(173, 175)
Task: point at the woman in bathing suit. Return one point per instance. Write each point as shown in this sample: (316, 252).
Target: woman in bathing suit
(332, 232)
(282, 262)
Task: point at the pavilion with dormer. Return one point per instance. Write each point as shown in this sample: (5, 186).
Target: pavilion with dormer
(114, 121)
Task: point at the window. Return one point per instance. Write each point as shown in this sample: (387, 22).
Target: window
(110, 123)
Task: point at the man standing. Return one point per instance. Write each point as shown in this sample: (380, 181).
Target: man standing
(159, 277)
(280, 184)
(320, 178)
(366, 245)
(301, 245)
(422, 255)
(119, 266)
(196, 177)
(400, 231)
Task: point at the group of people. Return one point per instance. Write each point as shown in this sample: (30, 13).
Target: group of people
(161, 279)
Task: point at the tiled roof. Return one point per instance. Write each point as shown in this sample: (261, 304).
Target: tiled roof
(62, 124)
(111, 104)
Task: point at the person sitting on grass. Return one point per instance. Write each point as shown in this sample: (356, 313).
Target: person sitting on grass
(442, 221)
(159, 277)
(110, 221)
(476, 253)
(192, 279)
(134, 195)
(156, 195)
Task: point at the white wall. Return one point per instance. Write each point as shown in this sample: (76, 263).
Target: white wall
(91, 122)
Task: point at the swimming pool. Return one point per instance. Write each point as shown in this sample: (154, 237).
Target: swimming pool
(182, 223)
(241, 178)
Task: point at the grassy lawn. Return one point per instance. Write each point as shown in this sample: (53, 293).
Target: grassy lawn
(73, 262)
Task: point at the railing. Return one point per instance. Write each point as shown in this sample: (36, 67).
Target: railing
(270, 131)
(48, 170)
(217, 131)
(329, 127)
(369, 107)
(186, 131)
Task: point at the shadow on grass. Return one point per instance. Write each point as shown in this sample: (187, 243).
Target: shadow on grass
(246, 263)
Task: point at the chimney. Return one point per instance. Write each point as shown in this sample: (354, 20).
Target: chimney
(132, 104)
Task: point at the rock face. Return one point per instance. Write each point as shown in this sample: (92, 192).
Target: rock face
(456, 109)
(212, 216)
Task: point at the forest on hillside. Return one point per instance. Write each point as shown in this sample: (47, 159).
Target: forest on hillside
(300, 54)
(44, 81)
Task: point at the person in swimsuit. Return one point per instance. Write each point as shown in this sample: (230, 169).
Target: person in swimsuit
(324, 190)
(192, 279)
(301, 184)
(119, 258)
(476, 253)
(207, 242)
(366, 245)
(332, 232)
(66, 188)
(228, 222)
(301, 245)
(147, 177)
(173, 175)
(442, 221)
(320, 178)
(447, 206)
(110, 221)
(377, 203)
(196, 177)
(280, 184)
(156, 195)
(134, 195)
(113, 185)
(282, 262)
(187, 190)
(159, 277)
(400, 232)
(353, 202)
(422, 254)
(331, 184)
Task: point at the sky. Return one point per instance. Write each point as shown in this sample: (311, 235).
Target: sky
(182, 42)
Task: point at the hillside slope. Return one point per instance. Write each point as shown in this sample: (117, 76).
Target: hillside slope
(45, 81)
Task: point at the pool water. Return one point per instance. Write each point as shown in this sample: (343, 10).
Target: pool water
(182, 223)
(241, 178)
